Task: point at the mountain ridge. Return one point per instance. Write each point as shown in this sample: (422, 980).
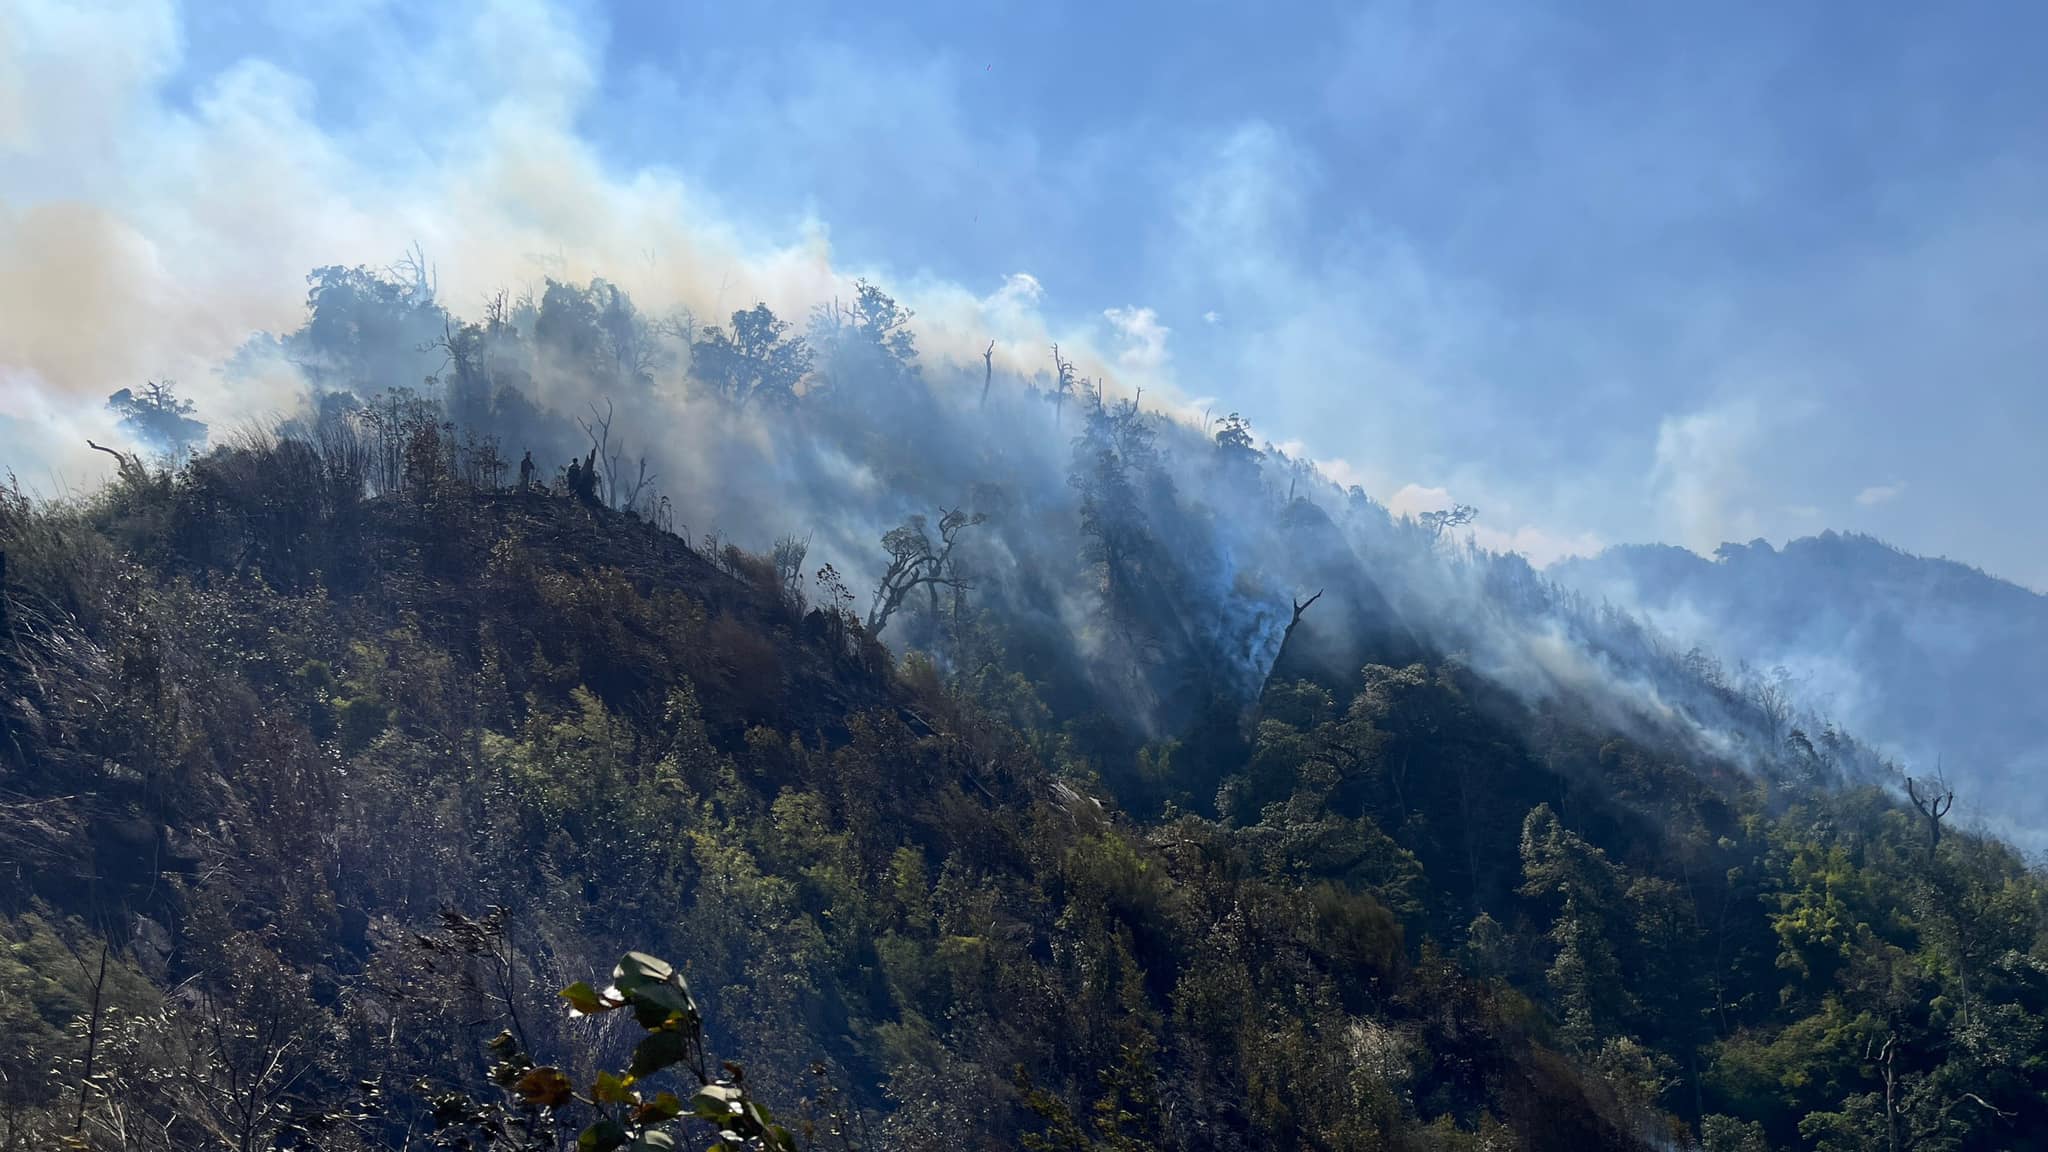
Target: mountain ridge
(1930, 658)
(1037, 770)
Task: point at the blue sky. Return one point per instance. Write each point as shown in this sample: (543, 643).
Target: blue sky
(1613, 272)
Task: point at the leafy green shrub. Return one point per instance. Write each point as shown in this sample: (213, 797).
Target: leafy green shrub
(623, 1109)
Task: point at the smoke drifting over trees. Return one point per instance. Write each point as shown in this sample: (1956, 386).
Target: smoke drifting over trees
(629, 695)
(1005, 751)
(1143, 560)
(158, 417)
(1929, 659)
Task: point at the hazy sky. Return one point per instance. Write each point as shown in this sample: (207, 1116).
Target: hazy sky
(1612, 272)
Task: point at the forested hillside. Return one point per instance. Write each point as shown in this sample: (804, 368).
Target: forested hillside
(1933, 658)
(1038, 770)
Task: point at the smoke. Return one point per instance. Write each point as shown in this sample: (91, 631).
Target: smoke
(147, 234)
(144, 236)
(1701, 473)
(1930, 661)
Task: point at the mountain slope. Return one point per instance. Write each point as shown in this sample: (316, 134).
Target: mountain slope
(260, 733)
(1928, 658)
(1192, 802)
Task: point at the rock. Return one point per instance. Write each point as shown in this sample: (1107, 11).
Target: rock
(151, 948)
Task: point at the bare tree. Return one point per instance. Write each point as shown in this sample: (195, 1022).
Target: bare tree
(219, 1065)
(1300, 606)
(498, 312)
(915, 561)
(1906, 1126)
(988, 370)
(1772, 696)
(1943, 888)
(789, 567)
(95, 977)
(1293, 622)
(613, 488)
(122, 460)
(415, 268)
(680, 325)
(1933, 797)
(1063, 383)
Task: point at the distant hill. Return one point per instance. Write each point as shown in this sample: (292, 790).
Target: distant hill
(1925, 657)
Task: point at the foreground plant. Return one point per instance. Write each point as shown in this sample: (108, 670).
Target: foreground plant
(623, 1109)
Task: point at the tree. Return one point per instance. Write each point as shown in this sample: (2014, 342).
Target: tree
(1113, 454)
(1771, 695)
(755, 361)
(1293, 622)
(1932, 798)
(605, 475)
(788, 556)
(156, 415)
(1443, 520)
(1064, 383)
(873, 329)
(1728, 1134)
(220, 1065)
(406, 436)
(864, 347)
(1584, 976)
(566, 327)
(916, 562)
(1913, 1110)
(368, 329)
(597, 333)
(628, 344)
(1234, 442)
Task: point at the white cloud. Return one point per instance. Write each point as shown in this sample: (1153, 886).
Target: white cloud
(1880, 494)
